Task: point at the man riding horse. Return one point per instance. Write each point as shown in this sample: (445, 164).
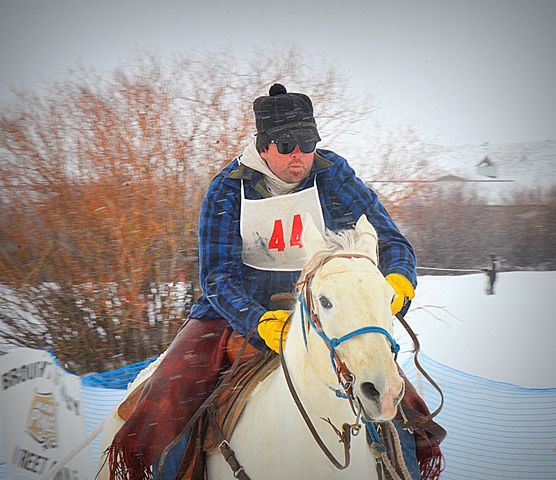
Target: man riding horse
(250, 248)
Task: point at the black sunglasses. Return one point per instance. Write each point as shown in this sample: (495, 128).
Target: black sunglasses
(289, 147)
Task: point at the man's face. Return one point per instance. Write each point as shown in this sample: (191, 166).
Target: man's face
(289, 167)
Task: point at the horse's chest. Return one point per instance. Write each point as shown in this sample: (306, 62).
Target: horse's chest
(281, 447)
(272, 442)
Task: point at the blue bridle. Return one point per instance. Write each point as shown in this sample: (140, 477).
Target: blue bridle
(332, 343)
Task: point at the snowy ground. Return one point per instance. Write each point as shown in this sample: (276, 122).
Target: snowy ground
(507, 337)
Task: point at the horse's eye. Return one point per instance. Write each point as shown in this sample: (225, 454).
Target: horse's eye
(325, 302)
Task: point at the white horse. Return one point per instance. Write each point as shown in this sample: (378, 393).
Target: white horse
(348, 293)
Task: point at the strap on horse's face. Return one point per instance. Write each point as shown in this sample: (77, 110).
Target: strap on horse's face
(345, 377)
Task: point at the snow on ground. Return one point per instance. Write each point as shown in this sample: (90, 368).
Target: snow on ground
(507, 337)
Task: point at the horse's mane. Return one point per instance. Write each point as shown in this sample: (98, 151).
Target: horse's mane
(340, 242)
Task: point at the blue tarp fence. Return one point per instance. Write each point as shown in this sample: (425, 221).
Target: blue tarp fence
(119, 378)
(495, 429)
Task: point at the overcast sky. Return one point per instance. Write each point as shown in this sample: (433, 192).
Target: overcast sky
(460, 71)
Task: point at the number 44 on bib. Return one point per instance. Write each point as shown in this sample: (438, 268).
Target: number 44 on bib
(277, 240)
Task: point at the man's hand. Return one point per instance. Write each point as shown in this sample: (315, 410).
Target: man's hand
(270, 327)
(402, 290)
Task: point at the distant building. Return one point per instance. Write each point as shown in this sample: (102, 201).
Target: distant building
(450, 178)
(486, 168)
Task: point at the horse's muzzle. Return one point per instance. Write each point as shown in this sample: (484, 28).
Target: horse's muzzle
(380, 403)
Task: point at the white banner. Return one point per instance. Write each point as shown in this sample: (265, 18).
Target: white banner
(41, 418)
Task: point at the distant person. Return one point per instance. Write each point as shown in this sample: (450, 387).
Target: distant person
(493, 267)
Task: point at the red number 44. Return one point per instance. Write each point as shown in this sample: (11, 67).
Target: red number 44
(277, 239)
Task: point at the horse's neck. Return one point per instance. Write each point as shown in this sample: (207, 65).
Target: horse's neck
(271, 427)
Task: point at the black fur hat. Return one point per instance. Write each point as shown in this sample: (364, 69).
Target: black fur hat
(284, 117)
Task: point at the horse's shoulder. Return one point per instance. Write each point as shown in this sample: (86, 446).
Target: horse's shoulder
(235, 394)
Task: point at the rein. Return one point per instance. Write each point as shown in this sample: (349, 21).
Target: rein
(425, 418)
(345, 434)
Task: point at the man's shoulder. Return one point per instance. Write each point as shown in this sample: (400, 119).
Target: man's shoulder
(228, 175)
(222, 187)
(333, 163)
(329, 155)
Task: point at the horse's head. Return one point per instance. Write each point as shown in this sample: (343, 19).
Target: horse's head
(347, 294)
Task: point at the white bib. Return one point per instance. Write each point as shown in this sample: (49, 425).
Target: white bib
(271, 229)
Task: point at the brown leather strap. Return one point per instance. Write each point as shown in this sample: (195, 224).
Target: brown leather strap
(345, 435)
(421, 369)
(227, 452)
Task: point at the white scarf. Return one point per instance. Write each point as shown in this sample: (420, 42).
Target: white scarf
(251, 158)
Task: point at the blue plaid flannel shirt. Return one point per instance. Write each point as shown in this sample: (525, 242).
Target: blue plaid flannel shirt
(241, 294)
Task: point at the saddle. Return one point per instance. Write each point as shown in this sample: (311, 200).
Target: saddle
(226, 410)
(229, 405)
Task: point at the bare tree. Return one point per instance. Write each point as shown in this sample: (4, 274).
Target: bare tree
(101, 181)
(398, 166)
(454, 227)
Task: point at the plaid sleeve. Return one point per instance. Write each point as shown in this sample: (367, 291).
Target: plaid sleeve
(396, 255)
(220, 253)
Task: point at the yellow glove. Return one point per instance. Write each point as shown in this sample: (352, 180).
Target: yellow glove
(270, 327)
(402, 290)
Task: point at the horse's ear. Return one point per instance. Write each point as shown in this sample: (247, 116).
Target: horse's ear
(311, 238)
(366, 238)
